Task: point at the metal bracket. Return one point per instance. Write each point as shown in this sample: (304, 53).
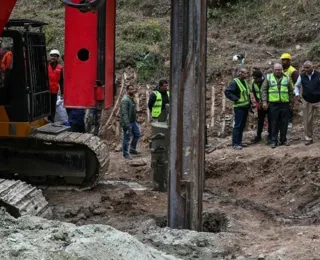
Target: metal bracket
(157, 136)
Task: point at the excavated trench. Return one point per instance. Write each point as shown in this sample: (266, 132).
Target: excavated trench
(280, 185)
(247, 194)
(213, 222)
(276, 186)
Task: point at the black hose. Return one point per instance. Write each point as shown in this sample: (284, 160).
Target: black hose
(84, 6)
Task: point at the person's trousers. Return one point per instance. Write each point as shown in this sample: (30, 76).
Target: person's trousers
(290, 116)
(262, 114)
(133, 133)
(308, 113)
(280, 114)
(94, 117)
(240, 120)
(77, 128)
(53, 104)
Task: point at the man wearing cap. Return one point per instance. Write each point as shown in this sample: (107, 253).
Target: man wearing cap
(55, 80)
(276, 96)
(310, 82)
(258, 79)
(292, 73)
(238, 91)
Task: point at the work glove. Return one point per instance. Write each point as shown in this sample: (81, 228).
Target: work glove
(265, 105)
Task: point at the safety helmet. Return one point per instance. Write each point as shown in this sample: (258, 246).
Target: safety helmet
(54, 52)
(285, 56)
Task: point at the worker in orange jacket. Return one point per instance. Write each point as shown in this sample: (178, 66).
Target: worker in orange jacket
(6, 63)
(7, 60)
(55, 71)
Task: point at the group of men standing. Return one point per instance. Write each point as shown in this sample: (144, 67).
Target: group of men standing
(275, 95)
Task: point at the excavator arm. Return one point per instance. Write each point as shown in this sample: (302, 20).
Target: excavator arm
(85, 6)
(6, 7)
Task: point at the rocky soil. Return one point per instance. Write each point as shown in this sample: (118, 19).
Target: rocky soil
(259, 203)
(35, 238)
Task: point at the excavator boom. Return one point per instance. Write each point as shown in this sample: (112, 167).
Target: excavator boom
(6, 7)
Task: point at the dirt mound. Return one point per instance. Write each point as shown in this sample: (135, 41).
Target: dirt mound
(35, 238)
(286, 179)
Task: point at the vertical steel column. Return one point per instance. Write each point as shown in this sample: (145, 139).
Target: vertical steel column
(187, 113)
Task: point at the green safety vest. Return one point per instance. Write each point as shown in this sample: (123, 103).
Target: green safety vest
(276, 94)
(157, 106)
(244, 99)
(257, 89)
(289, 72)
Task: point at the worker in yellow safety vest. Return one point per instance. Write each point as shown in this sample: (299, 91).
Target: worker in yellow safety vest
(238, 91)
(293, 75)
(158, 100)
(277, 96)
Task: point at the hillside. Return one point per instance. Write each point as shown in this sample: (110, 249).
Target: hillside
(261, 29)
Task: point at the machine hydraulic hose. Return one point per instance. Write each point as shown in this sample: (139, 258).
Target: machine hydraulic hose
(85, 5)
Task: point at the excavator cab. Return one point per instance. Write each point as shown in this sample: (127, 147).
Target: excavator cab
(24, 89)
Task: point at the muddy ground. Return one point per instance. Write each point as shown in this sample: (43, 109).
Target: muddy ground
(258, 202)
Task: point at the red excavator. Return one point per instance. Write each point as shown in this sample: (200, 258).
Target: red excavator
(31, 148)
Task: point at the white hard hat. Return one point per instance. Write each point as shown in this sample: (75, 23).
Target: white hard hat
(52, 52)
(235, 58)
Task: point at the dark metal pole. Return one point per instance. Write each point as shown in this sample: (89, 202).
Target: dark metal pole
(187, 113)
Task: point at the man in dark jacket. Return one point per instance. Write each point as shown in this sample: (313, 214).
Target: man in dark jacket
(239, 92)
(310, 82)
(158, 100)
(258, 79)
(128, 122)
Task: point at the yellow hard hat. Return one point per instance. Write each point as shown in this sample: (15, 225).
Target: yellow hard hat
(285, 56)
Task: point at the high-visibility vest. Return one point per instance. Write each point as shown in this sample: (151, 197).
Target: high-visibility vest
(276, 94)
(257, 90)
(244, 99)
(157, 106)
(54, 78)
(289, 72)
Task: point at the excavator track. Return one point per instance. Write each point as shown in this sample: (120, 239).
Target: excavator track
(67, 158)
(20, 198)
